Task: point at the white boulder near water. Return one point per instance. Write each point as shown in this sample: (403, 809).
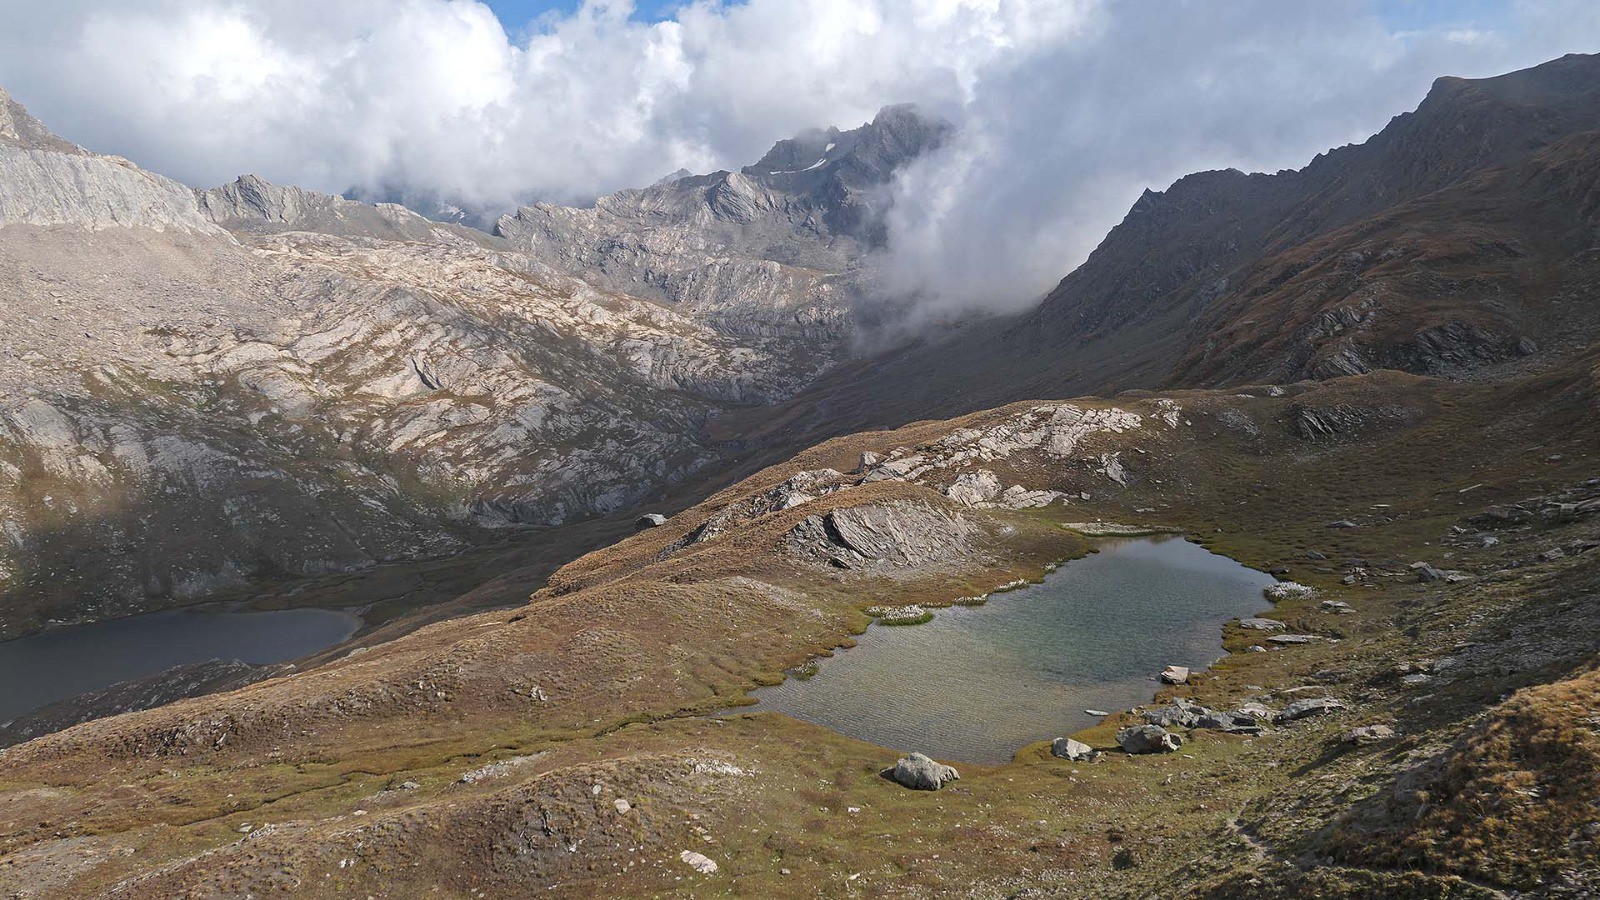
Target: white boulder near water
(921, 773)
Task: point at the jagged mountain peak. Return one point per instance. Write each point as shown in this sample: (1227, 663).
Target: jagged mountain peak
(679, 175)
(18, 126)
(869, 153)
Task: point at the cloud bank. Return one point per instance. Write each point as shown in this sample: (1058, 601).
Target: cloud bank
(1067, 108)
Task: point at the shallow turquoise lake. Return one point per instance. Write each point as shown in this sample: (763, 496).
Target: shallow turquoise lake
(978, 683)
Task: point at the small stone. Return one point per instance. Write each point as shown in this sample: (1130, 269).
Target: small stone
(1292, 638)
(1343, 523)
(1368, 734)
(1416, 680)
(622, 806)
(1426, 572)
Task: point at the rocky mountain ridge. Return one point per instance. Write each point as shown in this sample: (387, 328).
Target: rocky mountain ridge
(775, 248)
(1456, 242)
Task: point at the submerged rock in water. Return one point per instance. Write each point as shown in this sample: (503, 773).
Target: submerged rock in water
(1256, 623)
(1148, 739)
(1069, 749)
(921, 773)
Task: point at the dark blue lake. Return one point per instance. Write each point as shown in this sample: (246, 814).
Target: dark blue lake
(58, 664)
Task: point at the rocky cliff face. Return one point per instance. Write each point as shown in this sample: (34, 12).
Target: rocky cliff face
(255, 206)
(47, 181)
(773, 249)
(207, 388)
(1401, 252)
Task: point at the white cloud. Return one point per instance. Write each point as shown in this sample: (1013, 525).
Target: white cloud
(1069, 107)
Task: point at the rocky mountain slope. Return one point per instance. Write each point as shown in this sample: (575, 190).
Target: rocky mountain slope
(775, 248)
(1456, 242)
(203, 390)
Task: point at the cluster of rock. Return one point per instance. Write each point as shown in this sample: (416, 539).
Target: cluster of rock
(982, 488)
(1162, 728)
(1055, 431)
(1287, 590)
(1571, 504)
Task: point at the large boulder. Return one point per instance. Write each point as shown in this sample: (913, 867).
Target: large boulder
(1075, 751)
(1175, 675)
(1235, 722)
(650, 520)
(921, 773)
(1148, 739)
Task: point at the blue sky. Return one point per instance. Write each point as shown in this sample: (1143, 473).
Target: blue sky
(1416, 15)
(1401, 15)
(516, 14)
